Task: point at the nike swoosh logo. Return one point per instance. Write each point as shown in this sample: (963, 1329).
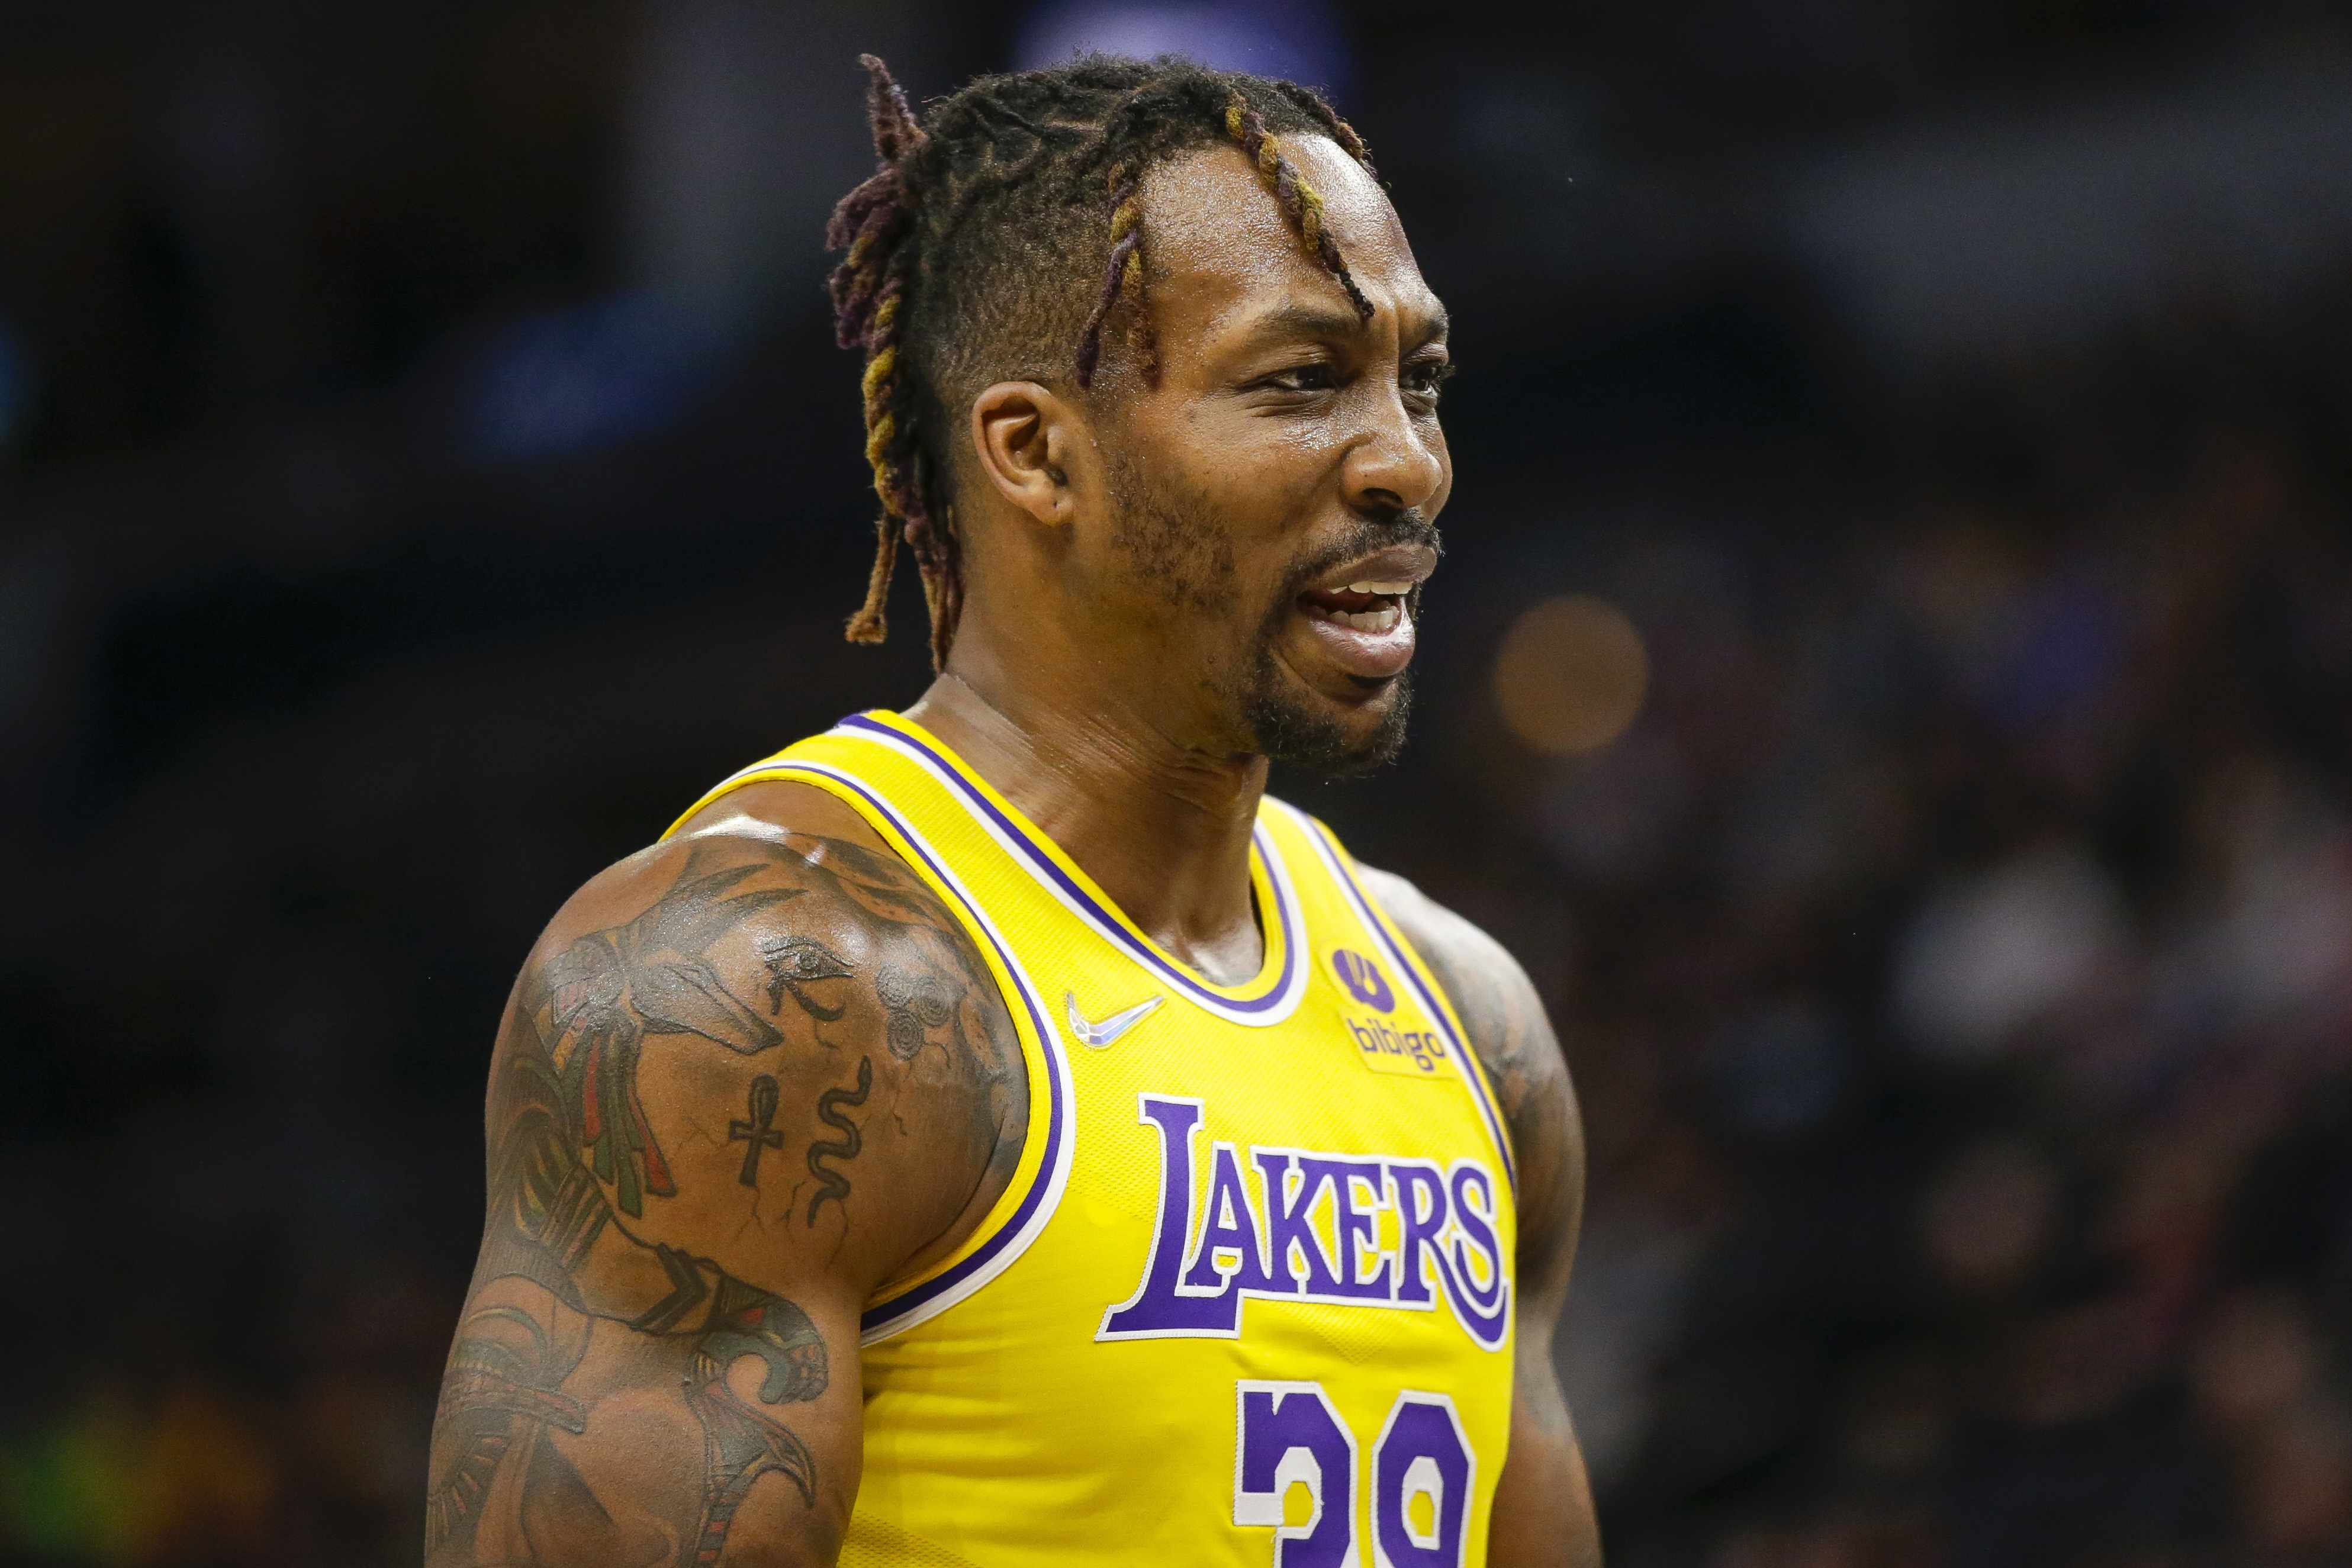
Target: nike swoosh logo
(1100, 1035)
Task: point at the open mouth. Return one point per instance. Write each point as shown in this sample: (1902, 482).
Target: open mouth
(1362, 624)
(1358, 617)
(1374, 605)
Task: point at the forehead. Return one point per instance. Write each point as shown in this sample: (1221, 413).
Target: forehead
(1217, 237)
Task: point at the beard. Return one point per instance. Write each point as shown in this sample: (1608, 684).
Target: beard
(1175, 541)
(1293, 733)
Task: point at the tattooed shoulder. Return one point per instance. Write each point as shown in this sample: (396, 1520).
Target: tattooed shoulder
(728, 1015)
(745, 1077)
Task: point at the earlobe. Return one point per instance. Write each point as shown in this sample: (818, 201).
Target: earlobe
(1020, 431)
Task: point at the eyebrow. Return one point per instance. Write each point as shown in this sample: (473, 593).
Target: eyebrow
(1303, 321)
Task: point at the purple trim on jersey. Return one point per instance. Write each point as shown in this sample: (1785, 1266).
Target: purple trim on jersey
(931, 1289)
(1277, 995)
(1471, 1068)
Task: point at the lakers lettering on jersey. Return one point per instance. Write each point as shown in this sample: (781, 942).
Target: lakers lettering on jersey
(1248, 1296)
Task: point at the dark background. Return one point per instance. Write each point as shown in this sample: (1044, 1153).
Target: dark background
(424, 469)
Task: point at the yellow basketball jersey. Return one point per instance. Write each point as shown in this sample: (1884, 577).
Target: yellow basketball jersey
(1248, 1297)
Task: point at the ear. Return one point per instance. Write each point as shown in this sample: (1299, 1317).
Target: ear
(1026, 436)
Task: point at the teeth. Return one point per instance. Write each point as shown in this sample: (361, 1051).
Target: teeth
(1403, 586)
(1383, 618)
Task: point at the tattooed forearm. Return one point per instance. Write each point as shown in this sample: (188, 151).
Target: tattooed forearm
(646, 1069)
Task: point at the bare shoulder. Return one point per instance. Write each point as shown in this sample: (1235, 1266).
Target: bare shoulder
(777, 1043)
(1513, 1036)
(1489, 989)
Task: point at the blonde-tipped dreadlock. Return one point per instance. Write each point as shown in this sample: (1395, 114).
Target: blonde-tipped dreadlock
(1123, 284)
(958, 247)
(1300, 201)
(869, 292)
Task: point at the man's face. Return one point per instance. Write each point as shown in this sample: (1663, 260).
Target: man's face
(1272, 501)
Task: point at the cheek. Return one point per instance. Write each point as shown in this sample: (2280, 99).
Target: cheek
(1262, 478)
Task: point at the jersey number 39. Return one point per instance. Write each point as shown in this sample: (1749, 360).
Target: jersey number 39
(1421, 1475)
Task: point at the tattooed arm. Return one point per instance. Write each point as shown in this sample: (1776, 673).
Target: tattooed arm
(1543, 1506)
(747, 1077)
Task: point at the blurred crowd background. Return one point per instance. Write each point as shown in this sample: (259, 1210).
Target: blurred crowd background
(1889, 685)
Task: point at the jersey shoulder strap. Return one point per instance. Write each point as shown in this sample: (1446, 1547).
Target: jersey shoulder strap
(908, 806)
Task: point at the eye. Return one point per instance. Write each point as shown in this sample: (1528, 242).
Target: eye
(1308, 378)
(1423, 378)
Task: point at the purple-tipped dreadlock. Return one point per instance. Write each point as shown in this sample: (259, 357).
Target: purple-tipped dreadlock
(869, 292)
(1301, 204)
(957, 271)
(1122, 283)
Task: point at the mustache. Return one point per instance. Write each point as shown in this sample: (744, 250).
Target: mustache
(1382, 531)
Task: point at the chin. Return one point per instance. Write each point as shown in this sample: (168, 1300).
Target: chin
(1306, 730)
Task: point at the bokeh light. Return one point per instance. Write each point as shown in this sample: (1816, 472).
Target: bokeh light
(1572, 675)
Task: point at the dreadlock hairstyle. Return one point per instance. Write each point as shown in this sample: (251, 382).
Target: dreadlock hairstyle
(967, 259)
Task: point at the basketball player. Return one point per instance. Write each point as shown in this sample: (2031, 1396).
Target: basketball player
(998, 1134)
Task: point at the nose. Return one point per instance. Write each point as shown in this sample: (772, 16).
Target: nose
(1396, 462)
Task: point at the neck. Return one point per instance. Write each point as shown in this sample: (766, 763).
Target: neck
(1163, 830)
